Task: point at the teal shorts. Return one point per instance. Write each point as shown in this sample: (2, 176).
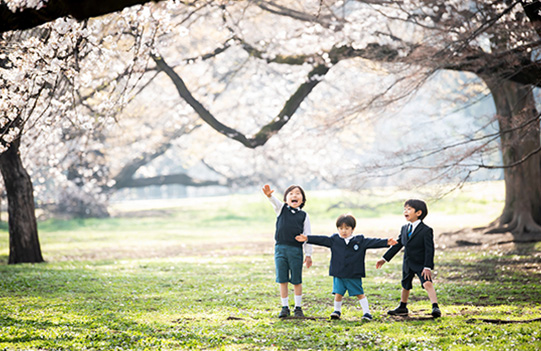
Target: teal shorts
(288, 261)
(354, 286)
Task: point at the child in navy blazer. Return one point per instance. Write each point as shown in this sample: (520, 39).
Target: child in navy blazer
(347, 261)
(417, 239)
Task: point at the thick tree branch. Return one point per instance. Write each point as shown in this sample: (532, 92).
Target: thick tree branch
(125, 177)
(267, 131)
(533, 11)
(179, 179)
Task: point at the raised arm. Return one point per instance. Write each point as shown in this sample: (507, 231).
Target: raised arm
(276, 203)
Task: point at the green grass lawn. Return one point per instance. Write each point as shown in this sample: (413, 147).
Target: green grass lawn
(199, 274)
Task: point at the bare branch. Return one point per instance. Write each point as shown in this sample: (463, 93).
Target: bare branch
(268, 130)
(179, 179)
(125, 177)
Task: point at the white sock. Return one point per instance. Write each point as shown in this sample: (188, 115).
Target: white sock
(338, 306)
(364, 305)
(298, 300)
(285, 301)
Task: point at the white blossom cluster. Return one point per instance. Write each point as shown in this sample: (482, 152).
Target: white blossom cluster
(16, 5)
(62, 83)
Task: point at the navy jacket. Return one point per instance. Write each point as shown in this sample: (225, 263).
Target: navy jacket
(347, 261)
(418, 249)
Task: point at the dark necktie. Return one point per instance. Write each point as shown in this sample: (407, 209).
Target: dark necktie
(410, 227)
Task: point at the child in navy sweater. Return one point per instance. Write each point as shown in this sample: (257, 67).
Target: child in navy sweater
(347, 261)
(288, 253)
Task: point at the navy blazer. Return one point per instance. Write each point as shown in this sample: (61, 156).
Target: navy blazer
(418, 249)
(347, 261)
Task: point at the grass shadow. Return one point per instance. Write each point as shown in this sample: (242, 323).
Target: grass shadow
(497, 277)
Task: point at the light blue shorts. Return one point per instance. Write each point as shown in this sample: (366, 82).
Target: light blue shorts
(354, 286)
(288, 261)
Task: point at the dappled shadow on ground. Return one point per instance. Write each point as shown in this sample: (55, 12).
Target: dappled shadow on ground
(471, 237)
(492, 275)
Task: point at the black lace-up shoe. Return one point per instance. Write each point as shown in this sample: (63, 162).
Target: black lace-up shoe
(284, 312)
(399, 311)
(436, 313)
(298, 312)
(335, 315)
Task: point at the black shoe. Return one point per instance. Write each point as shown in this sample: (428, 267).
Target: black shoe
(284, 312)
(336, 315)
(399, 311)
(436, 312)
(298, 312)
(367, 317)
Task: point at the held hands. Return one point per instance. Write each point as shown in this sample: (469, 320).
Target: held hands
(391, 242)
(267, 190)
(380, 263)
(301, 238)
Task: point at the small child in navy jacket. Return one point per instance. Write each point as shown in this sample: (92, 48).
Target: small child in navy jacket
(347, 261)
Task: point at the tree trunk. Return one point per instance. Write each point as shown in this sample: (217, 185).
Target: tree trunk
(520, 144)
(23, 232)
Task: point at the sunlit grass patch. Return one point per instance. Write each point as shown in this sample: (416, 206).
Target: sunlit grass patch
(200, 275)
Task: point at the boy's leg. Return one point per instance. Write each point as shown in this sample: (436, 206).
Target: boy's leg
(337, 306)
(284, 293)
(296, 257)
(429, 287)
(282, 277)
(338, 302)
(297, 288)
(338, 289)
(298, 295)
(364, 305)
(285, 301)
(402, 309)
(404, 296)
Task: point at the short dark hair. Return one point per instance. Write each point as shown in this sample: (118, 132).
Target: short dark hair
(346, 219)
(417, 205)
(290, 188)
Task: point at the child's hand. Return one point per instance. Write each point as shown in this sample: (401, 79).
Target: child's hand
(391, 242)
(267, 190)
(427, 274)
(301, 237)
(380, 263)
(308, 261)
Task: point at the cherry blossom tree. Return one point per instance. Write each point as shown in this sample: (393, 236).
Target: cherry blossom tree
(52, 85)
(44, 71)
(498, 42)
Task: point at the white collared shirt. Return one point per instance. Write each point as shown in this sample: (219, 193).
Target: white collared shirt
(348, 239)
(414, 225)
